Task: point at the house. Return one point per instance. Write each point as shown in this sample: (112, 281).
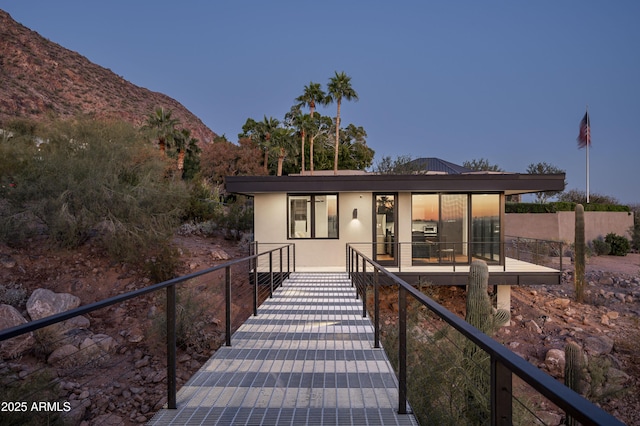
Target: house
(427, 225)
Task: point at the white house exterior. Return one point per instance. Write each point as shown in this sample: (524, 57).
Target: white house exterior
(418, 222)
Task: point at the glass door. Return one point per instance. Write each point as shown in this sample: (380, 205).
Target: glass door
(385, 247)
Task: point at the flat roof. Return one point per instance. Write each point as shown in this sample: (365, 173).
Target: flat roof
(509, 183)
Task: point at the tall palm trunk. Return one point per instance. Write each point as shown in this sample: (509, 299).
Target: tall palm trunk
(266, 161)
(281, 160)
(302, 151)
(335, 157)
(311, 138)
(181, 160)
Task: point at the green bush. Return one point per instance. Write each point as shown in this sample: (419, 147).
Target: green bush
(620, 246)
(561, 206)
(600, 247)
(82, 180)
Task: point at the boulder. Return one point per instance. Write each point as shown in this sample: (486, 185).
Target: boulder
(44, 303)
(65, 356)
(555, 361)
(219, 254)
(10, 317)
(598, 345)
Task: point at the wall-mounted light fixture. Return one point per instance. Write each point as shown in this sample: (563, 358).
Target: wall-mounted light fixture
(355, 213)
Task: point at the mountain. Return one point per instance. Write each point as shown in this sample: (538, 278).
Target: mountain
(39, 78)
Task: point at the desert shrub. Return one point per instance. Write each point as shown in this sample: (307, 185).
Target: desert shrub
(163, 263)
(620, 246)
(238, 218)
(42, 385)
(86, 180)
(601, 247)
(191, 321)
(13, 294)
(204, 203)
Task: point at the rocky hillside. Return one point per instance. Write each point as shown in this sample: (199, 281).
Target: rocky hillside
(39, 77)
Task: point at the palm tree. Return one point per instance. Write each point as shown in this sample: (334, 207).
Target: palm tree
(302, 122)
(183, 143)
(320, 126)
(282, 142)
(162, 127)
(313, 94)
(339, 87)
(260, 133)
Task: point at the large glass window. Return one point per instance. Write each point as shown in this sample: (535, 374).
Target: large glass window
(313, 216)
(485, 226)
(454, 223)
(425, 220)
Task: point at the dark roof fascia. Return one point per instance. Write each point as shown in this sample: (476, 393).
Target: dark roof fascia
(514, 183)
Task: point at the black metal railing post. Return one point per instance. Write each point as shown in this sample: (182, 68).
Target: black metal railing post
(271, 274)
(227, 297)
(364, 288)
(171, 347)
(288, 260)
(376, 309)
(356, 277)
(255, 286)
(501, 394)
(281, 269)
(402, 350)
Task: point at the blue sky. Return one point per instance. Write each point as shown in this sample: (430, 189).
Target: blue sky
(503, 80)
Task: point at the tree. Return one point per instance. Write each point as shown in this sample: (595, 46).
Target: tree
(580, 197)
(162, 126)
(283, 142)
(354, 152)
(320, 126)
(302, 123)
(544, 169)
(224, 158)
(401, 165)
(481, 164)
(339, 88)
(260, 132)
(184, 144)
(313, 94)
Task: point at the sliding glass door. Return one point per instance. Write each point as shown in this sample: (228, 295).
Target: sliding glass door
(385, 246)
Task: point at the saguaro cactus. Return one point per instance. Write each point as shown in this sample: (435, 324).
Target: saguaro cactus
(579, 254)
(572, 371)
(480, 313)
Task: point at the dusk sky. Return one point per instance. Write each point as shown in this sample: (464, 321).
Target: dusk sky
(508, 81)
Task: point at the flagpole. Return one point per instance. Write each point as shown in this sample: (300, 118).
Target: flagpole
(588, 143)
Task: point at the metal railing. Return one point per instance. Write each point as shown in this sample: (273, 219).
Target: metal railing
(449, 371)
(405, 255)
(258, 274)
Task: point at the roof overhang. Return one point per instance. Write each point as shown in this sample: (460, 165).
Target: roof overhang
(508, 183)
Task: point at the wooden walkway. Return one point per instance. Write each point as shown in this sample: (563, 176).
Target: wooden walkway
(307, 358)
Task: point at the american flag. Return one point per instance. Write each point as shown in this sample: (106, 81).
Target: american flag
(584, 137)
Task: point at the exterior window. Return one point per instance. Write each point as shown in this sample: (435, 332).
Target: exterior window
(313, 216)
(485, 227)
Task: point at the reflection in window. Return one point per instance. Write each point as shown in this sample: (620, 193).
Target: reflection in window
(313, 216)
(454, 224)
(485, 227)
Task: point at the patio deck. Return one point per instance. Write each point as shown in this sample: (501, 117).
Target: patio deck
(307, 358)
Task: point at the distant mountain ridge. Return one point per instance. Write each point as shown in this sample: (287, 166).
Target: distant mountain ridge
(39, 77)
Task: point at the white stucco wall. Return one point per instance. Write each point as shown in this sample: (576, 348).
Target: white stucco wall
(270, 216)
